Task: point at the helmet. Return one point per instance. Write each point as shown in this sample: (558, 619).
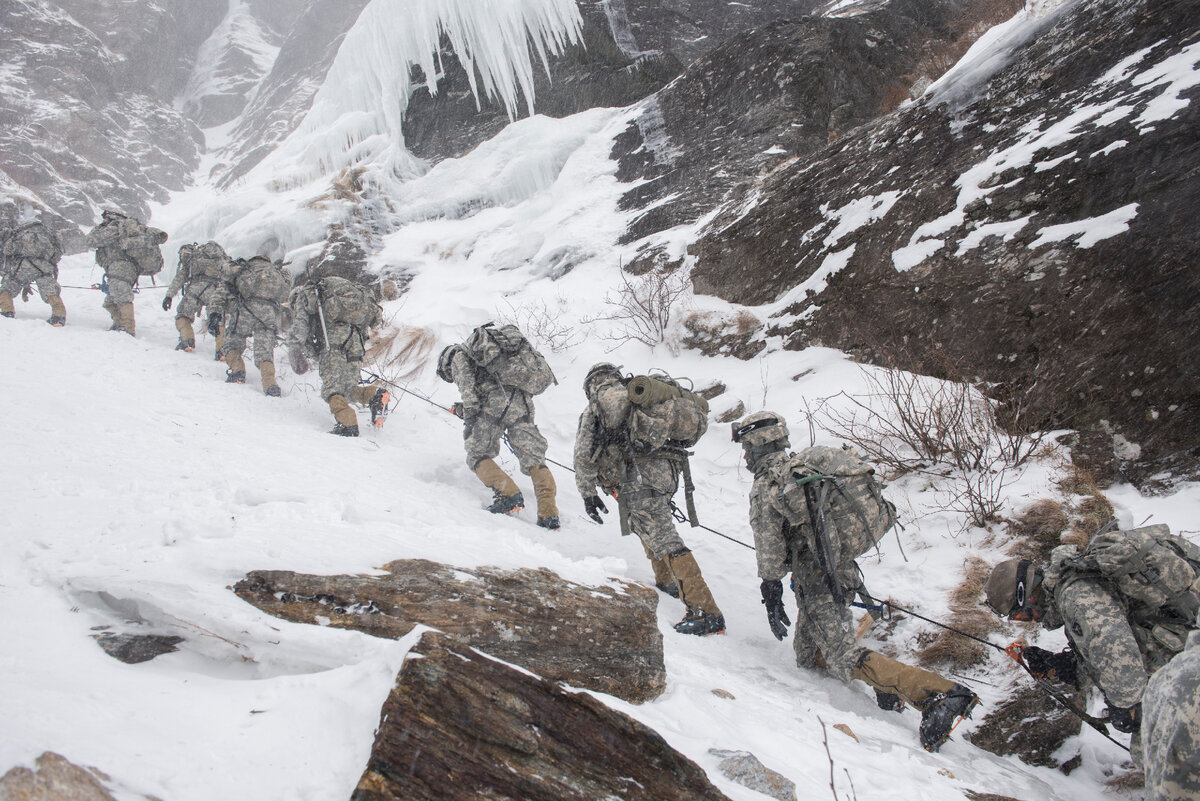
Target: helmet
(598, 372)
(108, 214)
(1012, 583)
(444, 359)
(759, 429)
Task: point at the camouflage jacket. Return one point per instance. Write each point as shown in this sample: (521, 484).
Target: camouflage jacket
(769, 517)
(603, 455)
(13, 252)
(306, 330)
(191, 275)
(105, 238)
(484, 396)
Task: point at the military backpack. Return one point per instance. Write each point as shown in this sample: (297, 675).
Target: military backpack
(208, 261)
(140, 244)
(506, 355)
(849, 497)
(344, 301)
(1149, 566)
(33, 241)
(664, 412)
(261, 279)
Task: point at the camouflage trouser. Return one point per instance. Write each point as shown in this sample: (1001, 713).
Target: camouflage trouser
(339, 375)
(264, 343)
(1104, 641)
(647, 496)
(481, 437)
(824, 628)
(120, 276)
(195, 297)
(17, 281)
(1171, 729)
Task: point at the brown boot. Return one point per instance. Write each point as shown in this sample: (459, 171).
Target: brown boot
(703, 615)
(496, 479)
(345, 416)
(544, 490)
(127, 322)
(58, 312)
(6, 304)
(914, 685)
(362, 394)
(115, 314)
(184, 326)
(267, 371)
(664, 579)
(235, 364)
(220, 345)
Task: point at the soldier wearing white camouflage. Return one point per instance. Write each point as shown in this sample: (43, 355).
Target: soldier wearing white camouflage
(491, 412)
(824, 638)
(256, 290)
(1116, 640)
(644, 484)
(120, 270)
(1171, 728)
(30, 256)
(199, 281)
(331, 321)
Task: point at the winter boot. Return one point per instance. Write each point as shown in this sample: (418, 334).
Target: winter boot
(6, 305)
(942, 713)
(58, 312)
(235, 376)
(8, 314)
(267, 371)
(506, 504)
(379, 407)
(703, 615)
(550, 522)
(115, 314)
(342, 430)
(544, 490)
(186, 345)
(186, 333)
(344, 414)
(889, 702)
(496, 479)
(125, 315)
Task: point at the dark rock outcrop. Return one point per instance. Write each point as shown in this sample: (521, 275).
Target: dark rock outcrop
(602, 638)
(460, 725)
(1079, 327)
(135, 648)
(1029, 725)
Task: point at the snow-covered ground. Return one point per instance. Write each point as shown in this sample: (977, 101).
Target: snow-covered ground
(139, 487)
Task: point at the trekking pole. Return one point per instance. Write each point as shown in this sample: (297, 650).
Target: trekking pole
(1015, 654)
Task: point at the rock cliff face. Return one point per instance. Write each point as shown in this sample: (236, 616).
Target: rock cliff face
(601, 638)
(459, 725)
(1030, 227)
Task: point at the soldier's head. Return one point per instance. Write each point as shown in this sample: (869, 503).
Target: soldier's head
(187, 251)
(760, 434)
(1014, 590)
(109, 215)
(445, 358)
(600, 375)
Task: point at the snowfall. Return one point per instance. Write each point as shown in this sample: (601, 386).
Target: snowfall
(139, 486)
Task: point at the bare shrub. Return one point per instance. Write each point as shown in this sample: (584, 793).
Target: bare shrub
(546, 326)
(1038, 530)
(644, 305)
(952, 649)
(1091, 512)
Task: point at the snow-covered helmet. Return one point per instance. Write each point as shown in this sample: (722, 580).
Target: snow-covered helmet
(599, 371)
(444, 359)
(759, 429)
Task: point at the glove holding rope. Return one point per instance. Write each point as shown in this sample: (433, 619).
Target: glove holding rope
(456, 409)
(772, 598)
(1045, 664)
(1126, 720)
(593, 506)
(214, 323)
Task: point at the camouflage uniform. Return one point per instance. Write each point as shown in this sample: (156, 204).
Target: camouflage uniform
(490, 412)
(644, 484)
(21, 270)
(1171, 728)
(248, 314)
(120, 272)
(339, 361)
(199, 292)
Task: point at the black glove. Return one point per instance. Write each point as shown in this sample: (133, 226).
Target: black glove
(457, 409)
(1047, 665)
(167, 303)
(1126, 720)
(594, 506)
(772, 598)
(214, 324)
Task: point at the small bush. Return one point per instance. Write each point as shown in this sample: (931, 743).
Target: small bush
(948, 648)
(1038, 530)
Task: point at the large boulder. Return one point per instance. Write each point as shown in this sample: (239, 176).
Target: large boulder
(53, 778)
(459, 725)
(603, 638)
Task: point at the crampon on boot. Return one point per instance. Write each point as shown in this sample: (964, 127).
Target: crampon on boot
(12, 315)
(379, 407)
(342, 430)
(274, 391)
(57, 321)
(235, 377)
(700, 623)
(943, 712)
(187, 345)
(507, 504)
(550, 522)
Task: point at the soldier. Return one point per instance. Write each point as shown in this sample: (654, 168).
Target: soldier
(256, 290)
(492, 410)
(30, 256)
(1171, 728)
(125, 250)
(201, 279)
(785, 542)
(1120, 630)
(644, 484)
(331, 321)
